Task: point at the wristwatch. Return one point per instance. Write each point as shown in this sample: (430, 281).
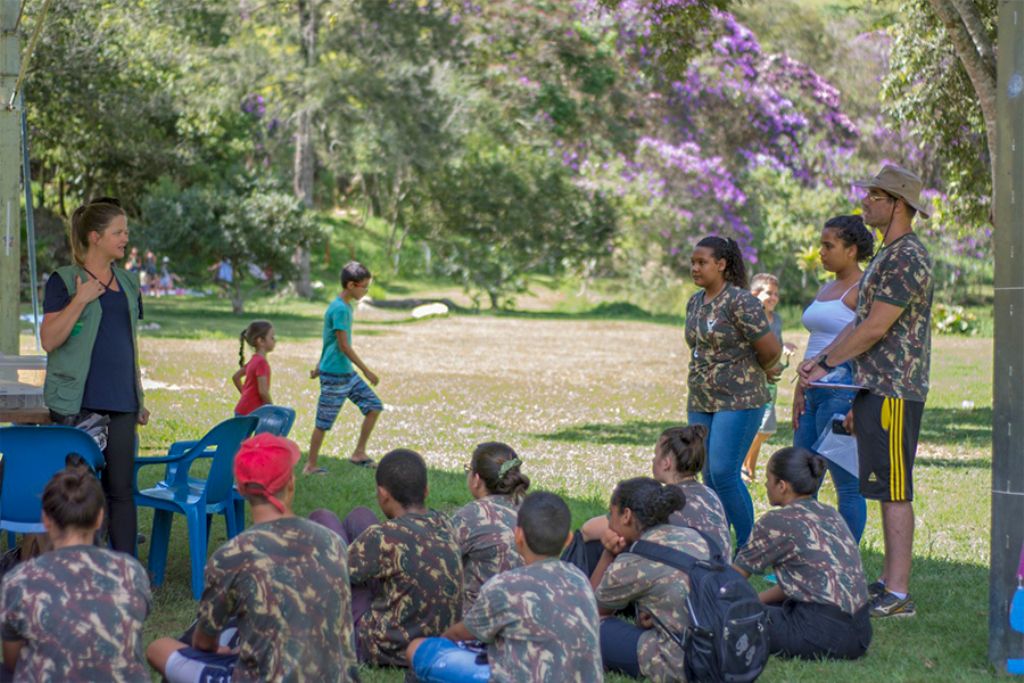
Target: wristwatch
(823, 363)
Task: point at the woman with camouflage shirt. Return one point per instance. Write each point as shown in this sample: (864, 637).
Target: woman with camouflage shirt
(728, 333)
(819, 609)
(484, 528)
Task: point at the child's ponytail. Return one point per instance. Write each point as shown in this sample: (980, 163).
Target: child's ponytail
(257, 329)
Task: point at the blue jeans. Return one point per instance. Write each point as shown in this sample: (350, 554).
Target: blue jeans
(819, 407)
(730, 433)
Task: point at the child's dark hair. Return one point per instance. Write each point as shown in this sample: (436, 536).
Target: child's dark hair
(799, 467)
(852, 231)
(403, 474)
(499, 468)
(650, 501)
(257, 329)
(545, 520)
(686, 446)
(93, 216)
(73, 498)
(354, 271)
(726, 248)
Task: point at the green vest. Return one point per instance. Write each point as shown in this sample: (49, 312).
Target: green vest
(68, 365)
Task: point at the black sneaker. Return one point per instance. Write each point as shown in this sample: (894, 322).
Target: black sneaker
(876, 589)
(888, 605)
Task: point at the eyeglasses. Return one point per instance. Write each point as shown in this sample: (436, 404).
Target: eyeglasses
(875, 197)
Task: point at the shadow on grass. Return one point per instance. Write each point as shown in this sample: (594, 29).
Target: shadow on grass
(957, 427)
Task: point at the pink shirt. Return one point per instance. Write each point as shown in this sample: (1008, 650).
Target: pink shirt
(250, 400)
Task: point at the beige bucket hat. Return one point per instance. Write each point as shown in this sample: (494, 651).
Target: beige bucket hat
(898, 182)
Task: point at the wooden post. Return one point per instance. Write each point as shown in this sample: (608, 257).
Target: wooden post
(1008, 382)
(10, 175)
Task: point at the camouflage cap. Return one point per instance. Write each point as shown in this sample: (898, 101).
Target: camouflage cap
(263, 466)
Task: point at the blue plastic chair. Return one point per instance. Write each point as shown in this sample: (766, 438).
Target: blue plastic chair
(198, 500)
(31, 455)
(276, 420)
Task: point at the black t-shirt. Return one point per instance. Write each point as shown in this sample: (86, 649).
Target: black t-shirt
(110, 384)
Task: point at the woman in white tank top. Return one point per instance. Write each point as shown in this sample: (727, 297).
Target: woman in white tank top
(845, 242)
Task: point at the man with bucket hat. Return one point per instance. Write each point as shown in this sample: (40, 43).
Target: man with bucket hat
(281, 586)
(889, 343)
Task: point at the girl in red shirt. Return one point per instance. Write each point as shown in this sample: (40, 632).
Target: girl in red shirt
(256, 388)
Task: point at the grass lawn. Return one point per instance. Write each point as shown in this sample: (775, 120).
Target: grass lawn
(582, 400)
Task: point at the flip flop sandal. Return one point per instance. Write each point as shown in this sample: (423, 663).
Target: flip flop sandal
(368, 463)
(317, 470)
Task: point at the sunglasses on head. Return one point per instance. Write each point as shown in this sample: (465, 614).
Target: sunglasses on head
(105, 200)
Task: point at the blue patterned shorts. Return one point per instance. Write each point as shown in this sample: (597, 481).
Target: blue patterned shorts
(334, 389)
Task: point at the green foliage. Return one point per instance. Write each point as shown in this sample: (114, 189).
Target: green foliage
(787, 221)
(499, 214)
(950, 319)
(242, 220)
(928, 91)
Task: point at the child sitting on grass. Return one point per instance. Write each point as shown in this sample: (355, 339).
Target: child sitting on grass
(640, 509)
(679, 457)
(75, 613)
(539, 621)
(819, 609)
(484, 528)
(283, 582)
(406, 572)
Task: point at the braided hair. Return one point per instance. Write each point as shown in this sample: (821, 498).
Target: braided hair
(651, 502)
(257, 329)
(852, 231)
(726, 249)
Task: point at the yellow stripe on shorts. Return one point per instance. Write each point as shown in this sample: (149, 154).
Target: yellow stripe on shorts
(897, 475)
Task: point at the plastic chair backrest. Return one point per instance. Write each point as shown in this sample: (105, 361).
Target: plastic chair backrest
(224, 440)
(276, 420)
(31, 456)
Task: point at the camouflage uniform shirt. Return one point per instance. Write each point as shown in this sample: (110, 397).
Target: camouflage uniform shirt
(724, 372)
(418, 564)
(80, 611)
(897, 365)
(287, 584)
(541, 625)
(485, 532)
(704, 512)
(658, 589)
(812, 552)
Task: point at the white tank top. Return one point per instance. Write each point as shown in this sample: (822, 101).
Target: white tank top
(825, 320)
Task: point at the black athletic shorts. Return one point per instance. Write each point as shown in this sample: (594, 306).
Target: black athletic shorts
(887, 430)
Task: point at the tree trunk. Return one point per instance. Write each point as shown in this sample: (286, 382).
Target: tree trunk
(305, 156)
(976, 52)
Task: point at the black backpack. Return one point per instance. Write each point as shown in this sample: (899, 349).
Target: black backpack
(727, 639)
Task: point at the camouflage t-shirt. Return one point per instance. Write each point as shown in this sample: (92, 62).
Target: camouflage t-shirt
(286, 583)
(724, 372)
(485, 532)
(812, 552)
(897, 365)
(541, 625)
(80, 611)
(658, 589)
(418, 564)
(704, 512)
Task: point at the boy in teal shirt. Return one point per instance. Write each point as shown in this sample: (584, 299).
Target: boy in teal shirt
(338, 380)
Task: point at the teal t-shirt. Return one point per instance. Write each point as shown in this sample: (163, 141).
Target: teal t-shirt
(338, 316)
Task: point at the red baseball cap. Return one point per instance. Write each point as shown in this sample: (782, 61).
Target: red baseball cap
(263, 466)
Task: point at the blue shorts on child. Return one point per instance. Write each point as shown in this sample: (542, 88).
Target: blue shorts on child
(334, 389)
(439, 660)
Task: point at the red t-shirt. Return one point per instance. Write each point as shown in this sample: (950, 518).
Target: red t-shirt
(250, 400)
